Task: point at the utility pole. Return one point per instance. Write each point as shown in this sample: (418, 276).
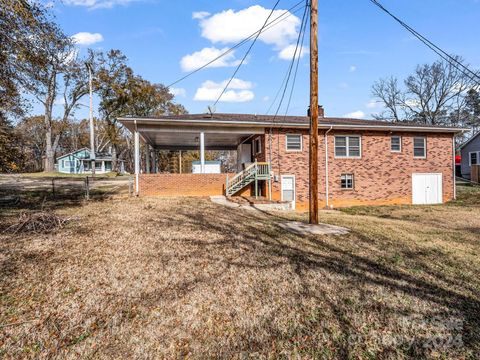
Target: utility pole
(92, 130)
(313, 154)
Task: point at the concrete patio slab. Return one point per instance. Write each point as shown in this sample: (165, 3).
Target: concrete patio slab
(301, 228)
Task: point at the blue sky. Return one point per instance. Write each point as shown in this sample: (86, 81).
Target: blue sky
(357, 45)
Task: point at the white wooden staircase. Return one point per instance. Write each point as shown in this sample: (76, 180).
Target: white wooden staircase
(253, 173)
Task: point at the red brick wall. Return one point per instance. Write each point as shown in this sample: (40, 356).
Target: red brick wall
(381, 177)
(182, 184)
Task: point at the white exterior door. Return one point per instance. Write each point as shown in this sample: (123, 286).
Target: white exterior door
(427, 189)
(288, 189)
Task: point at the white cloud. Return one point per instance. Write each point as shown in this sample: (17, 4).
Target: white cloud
(200, 15)
(86, 38)
(288, 52)
(356, 115)
(178, 92)
(238, 91)
(230, 26)
(202, 57)
(98, 4)
(373, 104)
(353, 68)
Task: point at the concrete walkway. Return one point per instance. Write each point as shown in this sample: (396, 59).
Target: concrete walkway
(301, 228)
(222, 200)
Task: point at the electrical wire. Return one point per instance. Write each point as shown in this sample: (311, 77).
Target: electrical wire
(439, 51)
(290, 68)
(246, 53)
(296, 70)
(285, 15)
(286, 81)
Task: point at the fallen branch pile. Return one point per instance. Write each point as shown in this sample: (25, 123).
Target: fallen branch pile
(39, 223)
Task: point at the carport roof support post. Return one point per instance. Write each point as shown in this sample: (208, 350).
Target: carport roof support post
(202, 152)
(137, 158)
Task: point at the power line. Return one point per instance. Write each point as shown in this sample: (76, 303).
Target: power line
(246, 53)
(439, 51)
(290, 68)
(296, 69)
(286, 81)
(285, 15)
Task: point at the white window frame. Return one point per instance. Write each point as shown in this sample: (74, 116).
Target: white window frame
(347, 144)
(470, 158)
(293, 150)
(353, 181)
(424, 147)
(257, 145)
(396, 136)
(67, 163)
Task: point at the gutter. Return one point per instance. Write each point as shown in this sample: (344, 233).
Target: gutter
(326, 167)
(146, 121)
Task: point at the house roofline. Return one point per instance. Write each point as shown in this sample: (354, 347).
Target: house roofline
(469, 141)
(73, 152)
(321, 125)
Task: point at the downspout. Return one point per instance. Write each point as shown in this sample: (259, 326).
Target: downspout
(326, 167)
(454, 170)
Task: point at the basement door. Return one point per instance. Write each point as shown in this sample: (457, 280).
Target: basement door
(427, 189)
(288, 189)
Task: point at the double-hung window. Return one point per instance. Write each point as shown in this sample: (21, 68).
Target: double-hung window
(348, 146)
(419, 147)
(396, 143)
(293, 142)
(473, 156)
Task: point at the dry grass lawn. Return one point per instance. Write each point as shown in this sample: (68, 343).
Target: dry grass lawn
(184, 278)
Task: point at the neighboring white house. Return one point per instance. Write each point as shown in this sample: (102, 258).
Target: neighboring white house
(78, 162)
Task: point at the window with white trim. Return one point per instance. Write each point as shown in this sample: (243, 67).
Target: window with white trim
(67, 163)
(420, 147)
(293, 142)
(348, 146)
(257, 145)
(396, 143)
(346, 181)
(473, 157)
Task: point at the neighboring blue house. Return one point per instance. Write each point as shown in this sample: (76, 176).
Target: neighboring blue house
(470, 152)
(78, 162)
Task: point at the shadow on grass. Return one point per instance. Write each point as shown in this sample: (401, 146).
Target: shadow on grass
(308, 253)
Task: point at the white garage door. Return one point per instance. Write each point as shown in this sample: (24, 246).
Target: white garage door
(427, 189)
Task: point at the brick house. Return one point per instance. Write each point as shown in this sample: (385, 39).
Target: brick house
(360, 161)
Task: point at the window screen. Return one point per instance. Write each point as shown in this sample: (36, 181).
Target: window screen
(419, 145)
(396, 143)
(294, 142)
(347, 146)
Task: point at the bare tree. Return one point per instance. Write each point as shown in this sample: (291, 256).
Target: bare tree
(388, 92)
(434, 94)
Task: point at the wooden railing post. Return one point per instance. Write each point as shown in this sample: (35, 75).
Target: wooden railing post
(256, 180)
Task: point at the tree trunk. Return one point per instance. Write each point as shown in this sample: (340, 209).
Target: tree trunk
(114, 158)
(49, 147)
(49, 153)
